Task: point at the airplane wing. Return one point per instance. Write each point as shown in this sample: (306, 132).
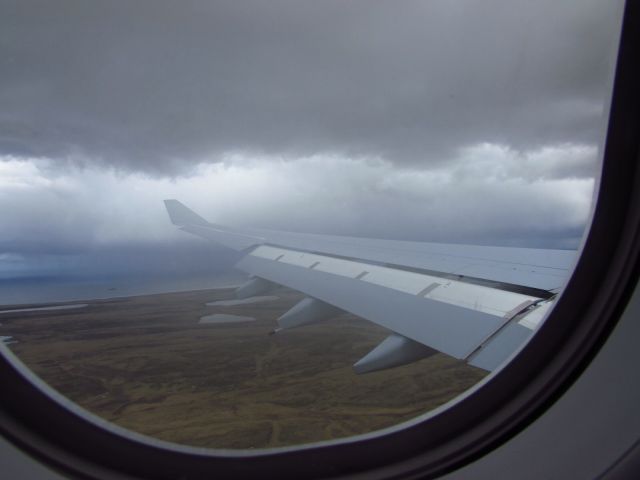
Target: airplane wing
(475, 303)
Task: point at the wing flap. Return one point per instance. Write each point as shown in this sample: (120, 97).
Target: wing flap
(455, 292)
(449, 328)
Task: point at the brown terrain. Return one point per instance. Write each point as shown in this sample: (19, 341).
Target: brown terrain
(146, 364)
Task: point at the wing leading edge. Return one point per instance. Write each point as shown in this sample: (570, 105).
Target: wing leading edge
(465, 301)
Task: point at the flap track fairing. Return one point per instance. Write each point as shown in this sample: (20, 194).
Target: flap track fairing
(254, 286)
(393, 351)
(307, 311)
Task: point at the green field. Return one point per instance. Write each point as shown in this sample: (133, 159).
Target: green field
(145, 363)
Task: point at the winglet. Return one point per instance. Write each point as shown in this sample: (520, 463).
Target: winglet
(190, 222)
(180, 215)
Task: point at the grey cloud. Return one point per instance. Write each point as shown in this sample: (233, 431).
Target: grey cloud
(157, 86)
(484, 201)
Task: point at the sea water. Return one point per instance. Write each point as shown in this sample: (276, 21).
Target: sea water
(18, 291)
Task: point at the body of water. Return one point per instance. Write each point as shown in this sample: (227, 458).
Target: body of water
(243, 301)
(20, 291)
(225, 318)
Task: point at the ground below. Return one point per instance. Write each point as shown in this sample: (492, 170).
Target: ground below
(146, 364)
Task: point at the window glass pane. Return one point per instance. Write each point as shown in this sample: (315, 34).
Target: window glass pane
(427, 133)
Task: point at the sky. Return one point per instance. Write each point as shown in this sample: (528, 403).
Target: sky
(468, 122)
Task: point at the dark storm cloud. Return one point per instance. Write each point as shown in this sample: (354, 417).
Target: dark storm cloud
(157, 86)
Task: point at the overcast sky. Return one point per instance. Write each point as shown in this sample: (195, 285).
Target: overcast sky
(467, 122)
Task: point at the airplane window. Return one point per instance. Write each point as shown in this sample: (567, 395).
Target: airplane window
(248, 225)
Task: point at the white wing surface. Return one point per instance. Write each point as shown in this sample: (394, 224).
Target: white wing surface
(475, 303)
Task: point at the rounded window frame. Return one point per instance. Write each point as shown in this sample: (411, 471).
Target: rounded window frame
(55, 432)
